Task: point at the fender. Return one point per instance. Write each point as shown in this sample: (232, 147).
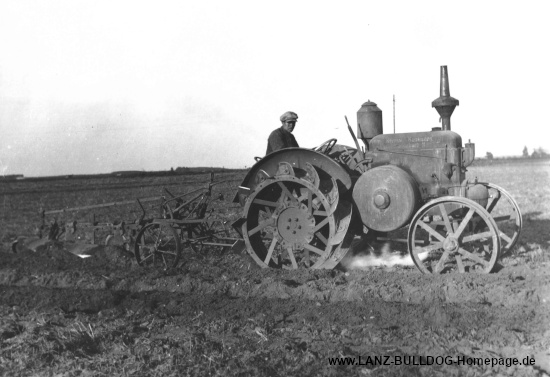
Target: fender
(297, 157)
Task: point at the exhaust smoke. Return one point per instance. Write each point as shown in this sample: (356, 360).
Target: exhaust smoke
(365, 254)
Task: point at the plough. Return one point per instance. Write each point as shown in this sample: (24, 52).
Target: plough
(186, 222)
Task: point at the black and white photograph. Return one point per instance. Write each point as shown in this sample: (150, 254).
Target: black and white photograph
(290, 188)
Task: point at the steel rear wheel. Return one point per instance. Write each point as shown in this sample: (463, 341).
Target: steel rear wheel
(453, 234)
(157, 245)
(295, 223)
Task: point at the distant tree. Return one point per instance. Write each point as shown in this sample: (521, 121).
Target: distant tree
(489, 156)
(539, 153)
(525, 152)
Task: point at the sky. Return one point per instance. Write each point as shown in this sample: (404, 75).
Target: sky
(98, 86)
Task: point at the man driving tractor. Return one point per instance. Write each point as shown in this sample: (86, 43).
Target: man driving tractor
(282, 137)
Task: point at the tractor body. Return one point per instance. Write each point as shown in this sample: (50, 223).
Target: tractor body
(303, 207)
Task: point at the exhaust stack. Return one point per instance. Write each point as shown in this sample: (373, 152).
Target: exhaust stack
(445, 104)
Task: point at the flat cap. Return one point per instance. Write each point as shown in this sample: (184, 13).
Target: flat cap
(289, 115)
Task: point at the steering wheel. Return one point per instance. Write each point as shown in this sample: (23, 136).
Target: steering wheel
(326, 147)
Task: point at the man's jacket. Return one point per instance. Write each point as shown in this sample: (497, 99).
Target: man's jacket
(279, 139)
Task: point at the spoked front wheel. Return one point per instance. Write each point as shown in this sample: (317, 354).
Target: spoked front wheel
(453, 234)
(157, 245)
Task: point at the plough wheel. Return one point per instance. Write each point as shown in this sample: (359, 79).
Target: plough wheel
(505, 212)
(453, 234)
(295, 223)
(157, 245)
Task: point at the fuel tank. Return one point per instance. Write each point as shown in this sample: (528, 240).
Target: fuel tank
(369, 122)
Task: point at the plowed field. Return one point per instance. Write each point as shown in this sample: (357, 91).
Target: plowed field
(216, 313)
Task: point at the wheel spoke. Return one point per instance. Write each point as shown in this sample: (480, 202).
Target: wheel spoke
(157, 237)
(455, 225)
(266, 203)
(287, 192)
(164, 261)
(321, 224)
(431, 230)
(314, 249)
(292, 259)
(301, 198)
(147, 257)
(436, 246)
(478, 236)
(464, 222)
(316, 203)
(150, 233)
(506, 238)
(446, 218)
(493, 202)
(165, 243)
(304, 193)
(459, 264)
(502, 218)
(439, 266)
(166, 252)
(321, 238)
(270, 251)
(309, 201)
(260, 227)
(473, 257)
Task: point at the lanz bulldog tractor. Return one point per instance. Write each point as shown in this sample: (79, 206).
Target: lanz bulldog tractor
(302, 208)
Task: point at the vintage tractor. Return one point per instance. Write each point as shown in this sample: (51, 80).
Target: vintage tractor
(302, 208)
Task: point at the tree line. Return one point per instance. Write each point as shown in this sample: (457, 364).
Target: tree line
(537, 153)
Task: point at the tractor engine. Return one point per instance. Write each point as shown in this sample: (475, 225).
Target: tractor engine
(402, 171)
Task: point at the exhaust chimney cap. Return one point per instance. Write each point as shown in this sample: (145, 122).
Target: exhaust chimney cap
(445, 104)
(445, 98)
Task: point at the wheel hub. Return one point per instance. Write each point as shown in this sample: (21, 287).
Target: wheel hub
(381, 199)
(450, 244)
(295, 225)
